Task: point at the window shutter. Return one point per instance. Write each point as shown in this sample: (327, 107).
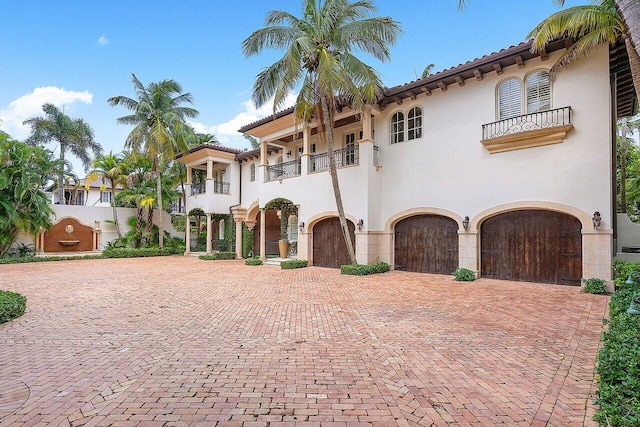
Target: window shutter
(510, 99)
(538, 92)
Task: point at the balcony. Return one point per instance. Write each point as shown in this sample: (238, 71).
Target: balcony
(198, 188)
(283, 170)
(529, 130)
(221, 187)
(348, 156)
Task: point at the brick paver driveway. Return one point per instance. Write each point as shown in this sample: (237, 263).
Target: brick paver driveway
(180, 341)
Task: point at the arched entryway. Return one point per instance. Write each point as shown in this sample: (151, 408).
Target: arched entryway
(329, 247)
(532, 246)
(426, 244)
(272, 233)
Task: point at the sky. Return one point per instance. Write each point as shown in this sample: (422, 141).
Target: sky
(76, 54)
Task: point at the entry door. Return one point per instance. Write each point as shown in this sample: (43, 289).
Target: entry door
(329, 247)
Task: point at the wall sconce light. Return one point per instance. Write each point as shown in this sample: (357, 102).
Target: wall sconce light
(301, 227)
(465, 223)
(597, 220)
(223, 171)
(360, 224)
(289, 154)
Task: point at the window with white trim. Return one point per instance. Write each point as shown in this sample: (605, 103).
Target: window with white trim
(538, 92)
(414, 123)
(252, 170)
(397, 127)
(105, 197)
(510, 98)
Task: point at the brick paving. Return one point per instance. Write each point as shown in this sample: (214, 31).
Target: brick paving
(179, 341)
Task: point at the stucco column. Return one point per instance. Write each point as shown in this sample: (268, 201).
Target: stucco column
(263, 153)
(208, 233)
(366, 124)
(209, 169)
(187, 235)
(468, 250)
(597, 255)
(238, 238)
(189, 169)
(304, 159)
(263, 234)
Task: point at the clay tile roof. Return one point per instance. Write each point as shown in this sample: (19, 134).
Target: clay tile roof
(213, 147)
(267, 119)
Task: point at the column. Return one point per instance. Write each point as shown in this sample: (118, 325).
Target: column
(263, 234)
(187, 235)
(208, 233)
(238, 238)
(209, 169)
(304, 161)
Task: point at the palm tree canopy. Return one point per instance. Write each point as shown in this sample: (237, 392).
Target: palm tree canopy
(74, 135)
(158, 117)
(589, 26)
(319, 54)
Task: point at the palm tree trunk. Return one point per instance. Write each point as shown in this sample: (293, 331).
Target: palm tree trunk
(629, 10)
(149, 223)
(63, 201)
(115, 211)
(139, 227)
(623, 166)
(159, 190)
(634, 63)
(328, 125)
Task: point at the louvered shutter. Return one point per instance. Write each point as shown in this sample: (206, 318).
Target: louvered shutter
(538, 92)
(510, 99)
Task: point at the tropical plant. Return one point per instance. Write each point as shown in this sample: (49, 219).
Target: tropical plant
(319, 60)
(427, 71)
(590, 26)
(110, 168)
(24, 206)
(253, 141)
(464, 275)
(74, 135)
(160, 127)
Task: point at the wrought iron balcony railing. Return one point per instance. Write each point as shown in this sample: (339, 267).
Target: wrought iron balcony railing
(220, 187)
(198, 188)
(348, 156)
(527, 122)
(283, 170)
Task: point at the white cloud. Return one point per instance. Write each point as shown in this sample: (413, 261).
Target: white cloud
(30, 105)
(227, 132)
(103, 40)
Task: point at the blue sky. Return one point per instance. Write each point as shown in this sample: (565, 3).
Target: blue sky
(76, 54)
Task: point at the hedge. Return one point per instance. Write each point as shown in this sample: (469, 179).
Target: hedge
(293, 263)
(46, 258)
(218, 256)
(253, 261)
(135, 253)
(619, 358)
(12, 305)
(362, 270)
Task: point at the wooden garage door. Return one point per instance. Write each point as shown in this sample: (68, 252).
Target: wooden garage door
(329, 247)
(532, 246)
(426, 244)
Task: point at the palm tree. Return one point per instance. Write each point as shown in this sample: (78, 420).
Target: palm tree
(319, 60)
(110, 168)
(74, 135)
(160, 127)
(427, 71)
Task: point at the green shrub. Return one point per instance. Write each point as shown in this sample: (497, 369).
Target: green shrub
(464, 275)
(12, 305)
(293, 263)
(218, 256)
(362, 270)
(47, 258)
(135, 253)
(594, 286)
(622, 270)
(253, 261)
(618, 365)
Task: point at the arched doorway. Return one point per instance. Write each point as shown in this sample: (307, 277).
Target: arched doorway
(532, 246)
(426, 244)
(329, 247)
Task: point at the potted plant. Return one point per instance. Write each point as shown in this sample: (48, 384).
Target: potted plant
(286, 208)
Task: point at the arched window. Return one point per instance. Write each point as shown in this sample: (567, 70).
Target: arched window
(397, 127)
(293, 228)
(414, 123)
(278, 160)
(253, 172)
(538, 92)
(510, 98)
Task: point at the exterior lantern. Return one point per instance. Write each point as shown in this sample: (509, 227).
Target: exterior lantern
(360, 224)
(465, 223)
(597, 219)
(301, 227)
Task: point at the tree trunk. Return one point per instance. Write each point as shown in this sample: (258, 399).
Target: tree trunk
(139, 231)
(629, 10)
(159, 190)
(149, 223)
(623, 166)
(63, 201)
(115, 211)
(328, 125)
(634, 64)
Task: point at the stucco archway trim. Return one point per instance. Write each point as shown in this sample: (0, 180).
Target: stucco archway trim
(252, 212)
(582, 216)
(393, 220)
(327, 214)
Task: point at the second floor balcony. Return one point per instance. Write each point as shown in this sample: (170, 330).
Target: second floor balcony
(529, 130)
(283, 170)
(348, 156)
(219, 187)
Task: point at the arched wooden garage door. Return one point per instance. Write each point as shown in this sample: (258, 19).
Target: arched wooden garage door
(329, 248)
(532, 246)
(426, 244)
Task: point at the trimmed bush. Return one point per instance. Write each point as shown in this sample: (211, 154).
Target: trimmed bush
(253, 261)
(464, 275)
(293, 263)
(594, 286)
(363, 270)
(12, 305)
(218, 256)
(135, 253)
(47, 258)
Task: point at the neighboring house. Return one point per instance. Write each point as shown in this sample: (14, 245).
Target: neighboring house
(489, 166)
(84, 193)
